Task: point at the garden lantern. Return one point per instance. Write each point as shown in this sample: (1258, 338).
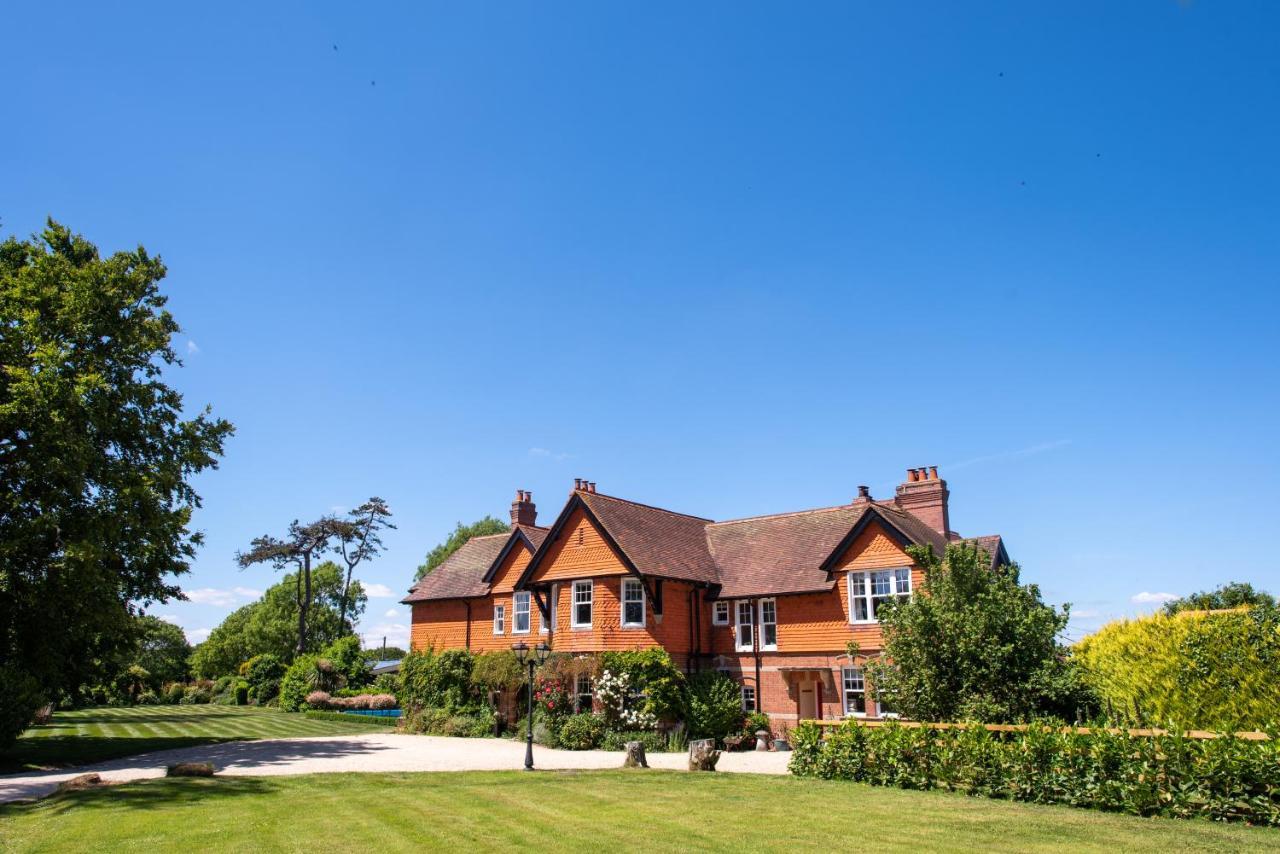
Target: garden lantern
(537, 659)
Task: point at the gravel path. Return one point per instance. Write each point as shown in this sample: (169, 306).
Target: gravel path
(369, 752)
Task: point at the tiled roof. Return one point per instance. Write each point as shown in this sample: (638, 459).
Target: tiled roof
(760, 556)
(778, 554)
(993, 545)
(658, 542)
(462, 573)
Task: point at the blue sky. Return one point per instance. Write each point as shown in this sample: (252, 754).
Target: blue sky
(728, 258)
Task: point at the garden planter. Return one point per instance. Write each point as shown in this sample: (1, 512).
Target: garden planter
(762, 739)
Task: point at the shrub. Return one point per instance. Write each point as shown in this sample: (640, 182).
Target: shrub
(581, 732)
(756, 721)
(318, 700)
(348, 661)
(242, 693)
(297, 682)
(1223, 779)
(148, 698)
(470, 723)
(619, 700)
(197, 694)
(263, 674)
(20, 696)
(497, 671)
(653, 673)
(1193, 669)
(715, 706)
(437, 681)
(173, 693)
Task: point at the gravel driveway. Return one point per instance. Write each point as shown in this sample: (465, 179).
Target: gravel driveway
(368, 752)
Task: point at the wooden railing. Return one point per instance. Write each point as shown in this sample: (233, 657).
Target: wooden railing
(1081, 730)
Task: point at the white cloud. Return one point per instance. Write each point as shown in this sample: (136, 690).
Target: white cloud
(220, 598)
(391, 614)
(397, 634)
(378, 591)
(168, 618)
(192, 347)
(1145, 598)
(197, 635)
(1086, 614)
(1010, 455)
(548, 455)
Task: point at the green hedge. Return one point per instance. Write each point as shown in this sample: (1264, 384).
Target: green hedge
(351, 719)
(1193, 670)
(1226, 779)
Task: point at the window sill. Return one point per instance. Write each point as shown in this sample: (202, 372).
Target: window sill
(585, 628)
(633, 626)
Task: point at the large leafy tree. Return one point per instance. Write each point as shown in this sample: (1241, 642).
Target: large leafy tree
(96, 460)
(162, 651)
(975, 644)
(300, 546)
(1234, 594)
(270, 624)
(486, 526)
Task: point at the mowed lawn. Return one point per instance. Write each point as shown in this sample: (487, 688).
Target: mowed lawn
(93, 735)
(577, 811)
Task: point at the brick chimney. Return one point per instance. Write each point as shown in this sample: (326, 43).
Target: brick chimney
(523, 510)
(924, 495)
(864, 495)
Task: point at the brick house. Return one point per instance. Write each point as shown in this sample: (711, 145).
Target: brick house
(771, 600)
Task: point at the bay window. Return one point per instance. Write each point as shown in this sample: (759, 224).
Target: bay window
(870, 589)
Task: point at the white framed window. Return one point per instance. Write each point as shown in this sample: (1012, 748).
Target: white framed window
(582, 693)
(742, 625)
(632, 603)
(720, 613)
(549, 624)
(499, 619)
(748, 698)
(521, 613)
(583, 598)
(884, 710)
(854, 691)
(869, 589)
(768, 624)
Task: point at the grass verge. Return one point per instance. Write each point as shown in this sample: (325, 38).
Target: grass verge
(94, 735)
(578, 811)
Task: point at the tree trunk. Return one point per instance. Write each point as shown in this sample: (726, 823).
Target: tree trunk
(703, 755)
(635, 756)
(305, 605)
(342, 610)
(302, 614)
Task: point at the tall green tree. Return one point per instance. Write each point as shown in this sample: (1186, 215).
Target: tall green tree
(359, 538)
(163, 650)
(973, 644)
(270, 624)
(302, 545)
(96, 459)
(486, 526)
(1234, 594)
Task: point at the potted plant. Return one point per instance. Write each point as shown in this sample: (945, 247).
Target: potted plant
(782, 738)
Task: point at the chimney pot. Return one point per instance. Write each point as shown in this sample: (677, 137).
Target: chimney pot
(912, 475)
(864, 492)
(933, 472)
(591, 487)
(523, 512)
(577, 483)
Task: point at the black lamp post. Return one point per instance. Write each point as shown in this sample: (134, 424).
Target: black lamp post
(538, 658)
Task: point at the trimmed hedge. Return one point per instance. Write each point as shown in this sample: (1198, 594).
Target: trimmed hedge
(1192, 670)
(1225, 779)
(351, 719)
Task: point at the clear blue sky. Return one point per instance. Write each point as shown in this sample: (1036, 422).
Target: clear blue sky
(730, 259)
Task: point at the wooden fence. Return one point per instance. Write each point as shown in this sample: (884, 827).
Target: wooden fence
(1081, 730)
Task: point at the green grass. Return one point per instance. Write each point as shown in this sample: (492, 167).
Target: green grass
(577, 811)
(93, 735)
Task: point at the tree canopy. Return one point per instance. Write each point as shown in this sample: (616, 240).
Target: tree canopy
(163, 650)
(486, 526)
(270, 624)
(1234, 594)
(975, 644)
(96, 459)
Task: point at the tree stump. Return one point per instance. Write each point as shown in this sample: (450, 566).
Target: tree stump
(190, 769)
(635, 756)
(703, 755)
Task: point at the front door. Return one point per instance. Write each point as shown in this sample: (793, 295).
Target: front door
(808, 701)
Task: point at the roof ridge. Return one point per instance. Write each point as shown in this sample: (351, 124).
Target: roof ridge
(786, 514)
(649, 507)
